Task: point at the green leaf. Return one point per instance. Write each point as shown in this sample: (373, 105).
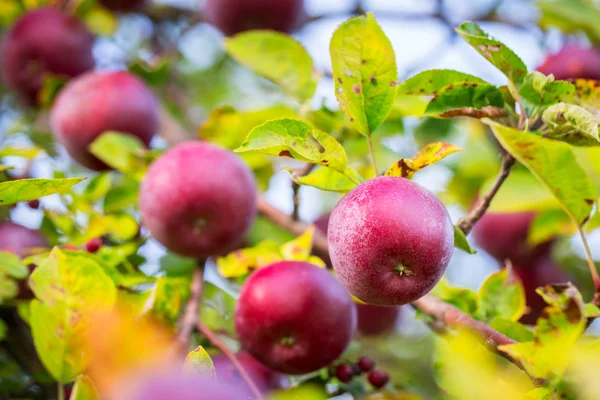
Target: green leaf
(430, 154)
(541, 90)
(591, 310)
(84, 389)
(549, 224)
(554, 164)
(12, 265)
(98, 187)
(494, 51)
(277, 57)
(8, 287)
(364, 71)
(572, 124)
(68, 291)
(478, 100)
(296, 139)
(12, 192)
(26, 152)
(464, 299)
(169, 297)
(120, 151)
(514, 330)
(326, 179)
(217, 310)
(431, 81)
(461, 242)
(571, 16)
(123, 195)
(175, 265)
(3, 330)
(501, 296)
(198, 361)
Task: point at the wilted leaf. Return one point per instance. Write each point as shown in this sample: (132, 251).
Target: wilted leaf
(461, 242)
(296, 139)
(277, 57)
(494, 51)
(501, 296)
(12, 265)
(84, 389)
(428, 155)
(554, 164)
(67, 292)
(199, 361)
(571, 124)
(431, 81)
(326, 179)
(586, 94)
(12, 192)
(120, 151)
(364, 71)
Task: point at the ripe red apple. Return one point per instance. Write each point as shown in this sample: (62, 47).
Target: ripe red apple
(294, 317)
(234, 16)
(97, 102)
(390, 241)
(198, 200)
(43, 41)
(376, 320)
(504, 236)
(572, 62)
(540, 273)
(265, 379)
(20, 240)
(123, 5)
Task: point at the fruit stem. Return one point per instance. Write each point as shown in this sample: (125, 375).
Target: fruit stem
(218, 343)
(372, 153)
(190, 315)
(60, 391)
(590, 260)
(522, 114)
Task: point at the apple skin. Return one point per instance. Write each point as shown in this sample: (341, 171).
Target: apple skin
(198, 200)
(234, 16)
(540, 273)
(19, 240)
(382, 224)
(97, 102)
(573, 62)
(265, 379)
(376, 320)
(504, 236)
(123, 5)
(42, 41)
(296, 302)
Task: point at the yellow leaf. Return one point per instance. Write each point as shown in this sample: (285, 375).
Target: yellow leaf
(299, 248)
(428, 155)
(242, 262)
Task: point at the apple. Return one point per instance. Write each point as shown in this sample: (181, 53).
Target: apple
(571, 62)
(43, 41)
(20, 240)
(234, 16)
(97, 102)
(390, 241)
(265, 379)
(294, 317)
(198, 200)
(376, 320)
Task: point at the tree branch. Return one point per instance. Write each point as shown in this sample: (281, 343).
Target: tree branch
(465, 224)
(218, 343)
(192, 308)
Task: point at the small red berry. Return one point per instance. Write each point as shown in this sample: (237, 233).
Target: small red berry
(35, 204)
(93, 245)
(378, 379)
(366, 364)
(344, 373)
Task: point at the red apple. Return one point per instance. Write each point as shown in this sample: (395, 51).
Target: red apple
(20, 240)
(44, 40)
(390, 241)
(97, 102)
(265, 379)
(572, 62)
(294, 317)
(376, 320)
(198, 200)
(234, 16)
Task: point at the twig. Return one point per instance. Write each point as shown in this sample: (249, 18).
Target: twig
(296, 189)
(465, 224)
(190, 315)
(218, 343)
(590, 260)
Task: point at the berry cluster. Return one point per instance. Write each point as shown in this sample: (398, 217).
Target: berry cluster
(346, 372)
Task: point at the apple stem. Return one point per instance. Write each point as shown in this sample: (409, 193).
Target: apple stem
(190, 315)
(372, 154)
(219, 344)
(590, 260)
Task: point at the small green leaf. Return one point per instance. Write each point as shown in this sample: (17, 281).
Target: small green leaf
(466, 99)
(175, 265)
(296, 139)
(120, 151)
(8, 287)
(98, 187)
(169, 297)
(198, 361)
(12, 265)
(571, 16)
(68, 291)
(571, 124)
(84, 389)
(461, 242)
(326, 179)
(217, 309)
(514, 330)
(555, 165)
(364, 71)
(277, 57)
(494, 51)
(501, 296)
(12, 192)
(25, 152)
(124, 194)
(541, 90)
(549, 224)
(464, 299)
(591, 310)
(431, 81)
(430, 154)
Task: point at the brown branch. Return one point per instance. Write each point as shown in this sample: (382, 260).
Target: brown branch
(465, 224)
(189, 318)
(218, 343)
(296, 189)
